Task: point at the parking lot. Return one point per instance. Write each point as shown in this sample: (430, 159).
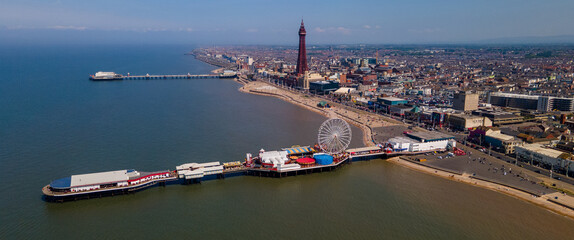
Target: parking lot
(483, 166)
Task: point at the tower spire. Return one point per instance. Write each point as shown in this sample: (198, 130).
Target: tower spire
(302, 57)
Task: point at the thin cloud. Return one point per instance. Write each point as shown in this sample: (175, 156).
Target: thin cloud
(185, 29)
(425, 30)
(60, 27)
(318, 29)
(342, 30)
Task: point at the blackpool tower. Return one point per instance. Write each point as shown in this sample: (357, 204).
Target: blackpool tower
(302, 58)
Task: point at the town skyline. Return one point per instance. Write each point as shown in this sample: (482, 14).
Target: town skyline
(260, 22)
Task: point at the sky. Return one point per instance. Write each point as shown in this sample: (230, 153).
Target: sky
(221, 22)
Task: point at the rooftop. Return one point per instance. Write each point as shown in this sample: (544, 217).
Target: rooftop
(393, 99)
(429, 136)
(363, 149)
(402, 140)
(94, 178)
(467, 116)
(499, 135)
(538, 148)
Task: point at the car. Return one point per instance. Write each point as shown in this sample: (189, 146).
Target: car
(537, 171)
(557, 178)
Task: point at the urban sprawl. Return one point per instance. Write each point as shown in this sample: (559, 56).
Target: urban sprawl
(512, 100)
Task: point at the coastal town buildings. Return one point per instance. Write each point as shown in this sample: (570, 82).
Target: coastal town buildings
(474, 81)
(455, 87)
(547, 157)
(494, 138)
(465, 101)
(467, 121)
(499, 100)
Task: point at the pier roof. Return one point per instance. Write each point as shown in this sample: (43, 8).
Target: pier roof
(363, 149)
(296, 150)
(61, 183)
(93, 179)
(429, 136)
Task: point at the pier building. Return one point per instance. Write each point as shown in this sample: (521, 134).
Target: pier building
(422, 141)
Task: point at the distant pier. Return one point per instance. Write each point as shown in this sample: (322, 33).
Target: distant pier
(159, 77)
(111, 76)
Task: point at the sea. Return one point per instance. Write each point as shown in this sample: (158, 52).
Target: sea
(54, 123)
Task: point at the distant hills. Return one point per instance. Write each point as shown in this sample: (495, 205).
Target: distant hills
(562, 39)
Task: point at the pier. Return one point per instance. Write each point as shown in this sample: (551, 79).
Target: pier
(193, 173)
(112, 76)
(160, 77)
(272, 172)
(327, 155)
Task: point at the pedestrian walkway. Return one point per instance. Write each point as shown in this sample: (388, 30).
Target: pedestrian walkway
(561, 199)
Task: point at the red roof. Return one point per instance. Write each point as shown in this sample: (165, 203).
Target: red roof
(305, 161)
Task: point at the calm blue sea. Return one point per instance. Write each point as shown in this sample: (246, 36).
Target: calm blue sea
(54, 122)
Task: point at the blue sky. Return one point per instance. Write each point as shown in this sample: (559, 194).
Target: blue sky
(277, 22)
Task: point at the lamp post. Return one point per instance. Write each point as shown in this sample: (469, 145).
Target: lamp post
(489, 147)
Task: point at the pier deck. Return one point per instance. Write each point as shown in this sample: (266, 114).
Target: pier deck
(235, 171)
(111, 76)
(159, 77)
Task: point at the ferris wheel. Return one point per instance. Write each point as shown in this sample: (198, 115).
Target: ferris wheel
(334, 135)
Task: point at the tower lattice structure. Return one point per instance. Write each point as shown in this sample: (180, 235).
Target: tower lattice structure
(302, 58)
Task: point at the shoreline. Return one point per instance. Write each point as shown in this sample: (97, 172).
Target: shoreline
(543, 201)
(353, 116)
(265, 89)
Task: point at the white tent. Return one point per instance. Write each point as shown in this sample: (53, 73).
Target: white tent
(275, 157)
(344, 90)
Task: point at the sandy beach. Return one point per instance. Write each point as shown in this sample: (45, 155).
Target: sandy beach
(367, 121)
(218, 71)
(364, 120)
